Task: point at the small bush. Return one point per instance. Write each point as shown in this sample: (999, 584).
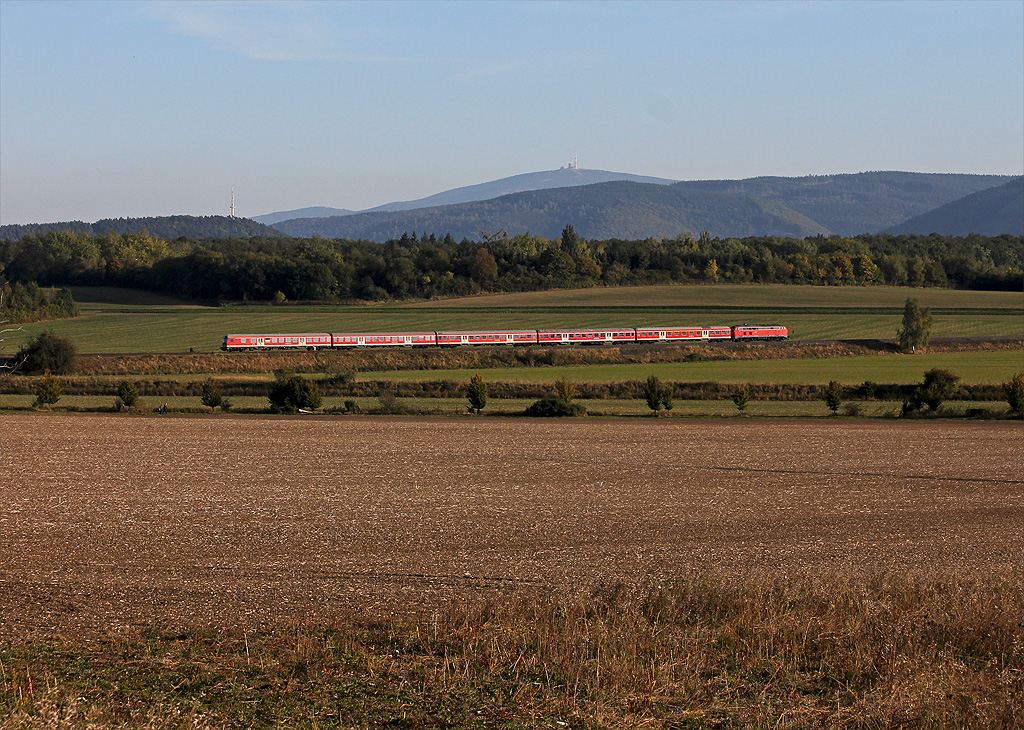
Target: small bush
(350, 407)
(48, 390)
(291, 393)
(549, 407)
(1014, 391)
(47, 351)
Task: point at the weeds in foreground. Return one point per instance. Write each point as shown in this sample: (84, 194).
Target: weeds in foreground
(880, 652)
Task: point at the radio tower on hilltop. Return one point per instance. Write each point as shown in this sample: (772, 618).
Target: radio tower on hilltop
(232, 203)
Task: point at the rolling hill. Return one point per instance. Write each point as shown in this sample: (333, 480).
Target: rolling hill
(318, 211)
(627, 210)
(168, 227)
(990, 212)
(866, 202)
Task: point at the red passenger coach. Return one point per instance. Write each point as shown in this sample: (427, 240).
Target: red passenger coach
(585, 337)
(760, 332)
(679, 334)
(309, 341)
(493, 337)
(384, 339)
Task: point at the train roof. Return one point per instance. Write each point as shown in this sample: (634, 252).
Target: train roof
(486, 332)
(282, 334)
(686, 327)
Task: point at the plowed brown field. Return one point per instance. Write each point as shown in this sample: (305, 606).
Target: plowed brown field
(108, 521)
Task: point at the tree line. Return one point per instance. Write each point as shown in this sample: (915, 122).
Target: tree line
(28, 302)
(270, 268)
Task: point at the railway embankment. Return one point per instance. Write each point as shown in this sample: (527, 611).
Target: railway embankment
(338, 362)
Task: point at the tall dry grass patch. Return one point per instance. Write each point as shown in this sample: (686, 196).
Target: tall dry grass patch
(819, 651)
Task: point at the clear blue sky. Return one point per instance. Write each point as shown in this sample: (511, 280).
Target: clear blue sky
(159, 108)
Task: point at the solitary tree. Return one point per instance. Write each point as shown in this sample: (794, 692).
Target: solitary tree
(210, 395)
(48, 390)
(653, 394)
(741, 396)
(834, 396)
(916, 329)
(127, 394)
(565, 389)
(477, 392)
(1015, 393)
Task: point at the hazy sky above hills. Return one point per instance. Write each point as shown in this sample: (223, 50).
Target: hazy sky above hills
(128, 109)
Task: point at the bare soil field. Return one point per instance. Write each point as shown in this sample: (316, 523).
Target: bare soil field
(118, 521)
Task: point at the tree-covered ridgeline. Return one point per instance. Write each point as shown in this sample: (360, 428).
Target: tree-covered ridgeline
(268, 268)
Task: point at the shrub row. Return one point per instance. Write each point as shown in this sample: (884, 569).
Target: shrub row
(627, 390)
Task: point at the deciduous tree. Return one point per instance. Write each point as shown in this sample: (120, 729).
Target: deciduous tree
(210, 395)
(916, 329)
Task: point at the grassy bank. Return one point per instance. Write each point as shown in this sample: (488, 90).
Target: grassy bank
(973, 367)
(833, 651)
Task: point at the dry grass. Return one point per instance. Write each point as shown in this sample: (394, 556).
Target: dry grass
(702, 651)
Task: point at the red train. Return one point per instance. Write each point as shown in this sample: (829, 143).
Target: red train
(615, 335)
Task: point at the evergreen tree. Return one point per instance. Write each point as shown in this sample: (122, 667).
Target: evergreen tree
(477, 392)
(667, 397)
(834, 396)
(48, 390)
(653, 394)
(741, 396)
(127, 394)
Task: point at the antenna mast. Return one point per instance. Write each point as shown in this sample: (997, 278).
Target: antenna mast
(232, 202)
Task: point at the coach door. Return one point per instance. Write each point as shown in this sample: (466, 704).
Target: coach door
(259, 342)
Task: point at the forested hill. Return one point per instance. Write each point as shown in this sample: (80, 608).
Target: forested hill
(866, 202)
(166, 227)
(625, 210)
(989, 212)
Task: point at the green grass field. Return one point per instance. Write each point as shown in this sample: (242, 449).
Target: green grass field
(973, 367)
(119, 321)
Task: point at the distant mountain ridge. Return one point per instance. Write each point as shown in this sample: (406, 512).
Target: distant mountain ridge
(865, 202)
(317, 211)
(989, 212)
(565, 177)
(637, 208)
(619, 209)
(167, 227)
